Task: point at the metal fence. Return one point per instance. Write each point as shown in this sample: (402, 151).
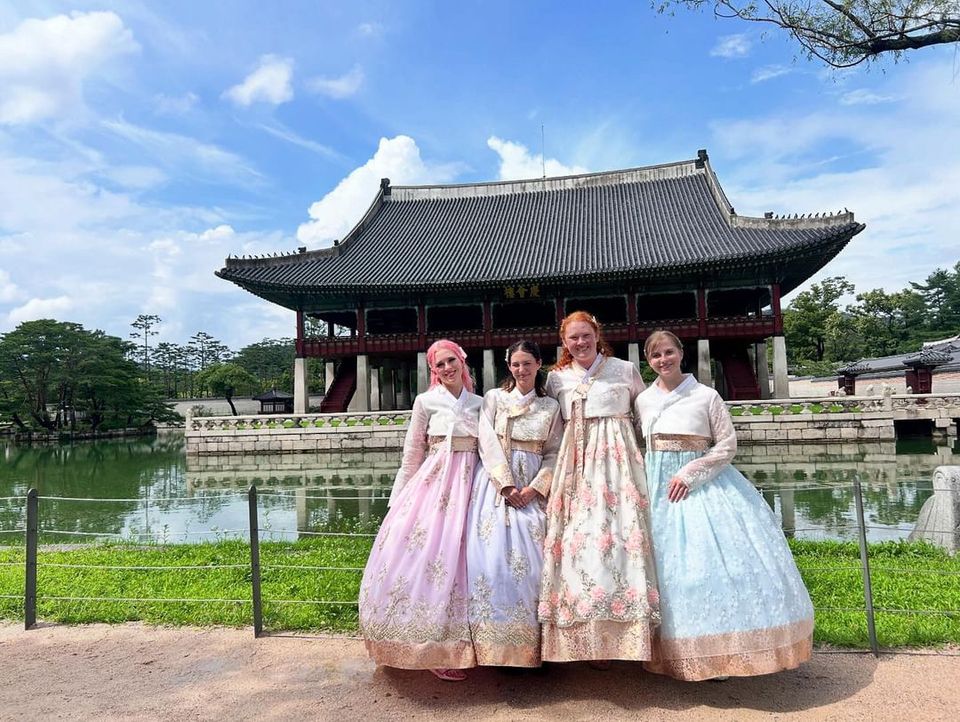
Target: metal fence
(253, 532)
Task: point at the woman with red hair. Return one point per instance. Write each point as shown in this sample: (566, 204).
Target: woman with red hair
(599, 598)
(413, 597)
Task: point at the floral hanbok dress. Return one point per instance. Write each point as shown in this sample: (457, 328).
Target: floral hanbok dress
(413, 597)
(732, 600)
(519, 438)
(599, 596)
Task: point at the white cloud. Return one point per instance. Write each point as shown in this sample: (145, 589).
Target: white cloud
(731, 46)
(45, 63)
(282, 132)
(37, 308)
(175, 105)
(8, 289)
(343, 87)
(862, 96)
(337, 212)
(270, 83)
(899, 176)
(186, 154)
(516, 162)
(769, 72)
(370, 30)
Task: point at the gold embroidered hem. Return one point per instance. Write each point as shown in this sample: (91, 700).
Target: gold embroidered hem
(743, 664)
(734, 654)
(598, 640)
(679, 442)
(457, 443)
(507, 655)
(426, 655)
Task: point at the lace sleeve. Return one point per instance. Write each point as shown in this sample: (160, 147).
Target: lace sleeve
(414, 448)
(544, 478)
(699, 471)
(491, 451)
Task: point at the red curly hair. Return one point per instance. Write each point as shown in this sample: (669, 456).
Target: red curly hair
(603, 347)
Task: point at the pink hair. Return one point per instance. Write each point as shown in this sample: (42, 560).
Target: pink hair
(445, 345)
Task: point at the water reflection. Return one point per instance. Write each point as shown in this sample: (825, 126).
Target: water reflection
(164, 496)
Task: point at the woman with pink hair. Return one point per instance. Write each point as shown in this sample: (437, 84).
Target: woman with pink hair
(413, 597)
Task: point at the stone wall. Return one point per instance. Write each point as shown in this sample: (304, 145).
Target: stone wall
(822, 420)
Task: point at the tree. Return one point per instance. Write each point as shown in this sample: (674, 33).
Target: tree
(844, 33)
(144, 325)
(225, 380)
(270, 361)
(54, 374)
(805, 321)
(941, 297)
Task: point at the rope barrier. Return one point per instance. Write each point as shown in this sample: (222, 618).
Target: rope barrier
(304, 566)
(140, 568)
(307, 601)
(239, 495)
(136, 599)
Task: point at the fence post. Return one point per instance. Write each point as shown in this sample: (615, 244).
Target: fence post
(30, 577)
(255, 562)
(865, 570)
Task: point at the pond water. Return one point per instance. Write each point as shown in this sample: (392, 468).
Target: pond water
(148, 490)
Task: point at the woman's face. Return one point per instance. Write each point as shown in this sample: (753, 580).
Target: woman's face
(523, 367)
(581, 341)
(448, 368)
(664, 359)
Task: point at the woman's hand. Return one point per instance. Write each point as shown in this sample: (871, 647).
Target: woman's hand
(513, 497)
(528, 494)
(677, 490)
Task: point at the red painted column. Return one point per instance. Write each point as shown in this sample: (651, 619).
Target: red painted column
(775, 305)
(702, 312)
(300, 334)
(487, 324)
(422, 326)
(362, 328)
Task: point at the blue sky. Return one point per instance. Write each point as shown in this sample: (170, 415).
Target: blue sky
(140, 143)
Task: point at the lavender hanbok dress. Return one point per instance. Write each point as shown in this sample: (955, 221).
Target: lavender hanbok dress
(599, 597)
(732, 600)
(413, 597)
(519, 438)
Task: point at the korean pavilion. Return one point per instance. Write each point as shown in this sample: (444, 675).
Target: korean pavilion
(486, 264)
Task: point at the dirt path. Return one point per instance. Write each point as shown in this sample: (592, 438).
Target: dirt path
(137, 672)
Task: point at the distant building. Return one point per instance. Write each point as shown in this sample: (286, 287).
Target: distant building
(486, 264)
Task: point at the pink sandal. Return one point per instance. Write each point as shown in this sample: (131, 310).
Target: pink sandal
(449, 675)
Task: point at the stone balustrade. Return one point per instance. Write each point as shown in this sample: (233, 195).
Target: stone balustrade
(825, 420)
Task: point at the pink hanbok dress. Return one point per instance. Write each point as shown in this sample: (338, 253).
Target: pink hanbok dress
(413, 597)
(599, 598)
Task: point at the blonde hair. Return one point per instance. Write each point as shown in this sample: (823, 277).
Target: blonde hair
(603, 347)
(660, 335)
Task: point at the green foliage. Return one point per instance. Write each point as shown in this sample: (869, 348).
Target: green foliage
(226, 379)
(58, 376)
(822, 336)
(843, 34)
(915, 580)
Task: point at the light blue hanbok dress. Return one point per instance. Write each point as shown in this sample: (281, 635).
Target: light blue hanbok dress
(519, 439)
(732, 602)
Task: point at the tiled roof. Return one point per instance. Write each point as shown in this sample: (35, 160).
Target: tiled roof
(658, 221)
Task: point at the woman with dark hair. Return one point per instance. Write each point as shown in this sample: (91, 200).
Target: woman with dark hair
(413, 597)
(520, 430)
(599, 599)
(733, 601)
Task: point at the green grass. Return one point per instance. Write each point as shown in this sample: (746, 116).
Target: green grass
(901, 574)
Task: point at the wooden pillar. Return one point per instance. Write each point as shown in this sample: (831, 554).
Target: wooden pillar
(301, 333)
(487, 330)
(702, 313)
(422, 326)
(558, 302)
(362, 328)
(775, 306)
(632, 332)
(403, 401)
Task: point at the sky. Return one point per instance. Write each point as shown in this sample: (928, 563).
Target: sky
(141, 143)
